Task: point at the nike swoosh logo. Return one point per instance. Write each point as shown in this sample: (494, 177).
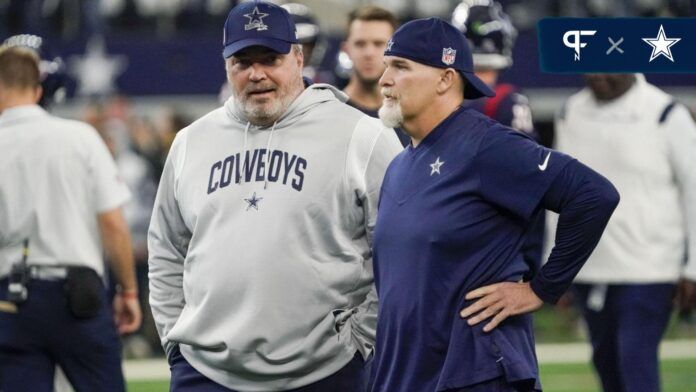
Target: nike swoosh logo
(543, 166)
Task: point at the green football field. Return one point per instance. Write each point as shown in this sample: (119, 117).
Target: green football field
(677, 376)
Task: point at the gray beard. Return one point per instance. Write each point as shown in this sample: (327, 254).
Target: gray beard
(262, 115)
(391, 116)
(265, 116)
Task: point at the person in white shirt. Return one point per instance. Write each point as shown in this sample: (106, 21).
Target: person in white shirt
(644, 142)
(60, 201)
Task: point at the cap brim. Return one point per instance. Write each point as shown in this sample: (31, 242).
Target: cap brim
(475, 87)
(277, 45)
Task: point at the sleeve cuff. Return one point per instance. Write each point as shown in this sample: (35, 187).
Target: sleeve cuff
(539, 288)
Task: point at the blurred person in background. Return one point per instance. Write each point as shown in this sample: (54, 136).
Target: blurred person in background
(147, 142)
(491, 37)
(260, 265)
(369, 29)
(310, 37)
(643, 141)
(63, 194)
(167, 126)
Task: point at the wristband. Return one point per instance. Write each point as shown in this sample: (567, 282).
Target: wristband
(133, 293)
(129, 294)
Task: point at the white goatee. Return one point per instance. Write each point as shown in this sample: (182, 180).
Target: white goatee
(391, 115)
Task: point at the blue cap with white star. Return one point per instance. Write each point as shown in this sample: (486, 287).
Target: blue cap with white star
(258, 23)
(436, 43)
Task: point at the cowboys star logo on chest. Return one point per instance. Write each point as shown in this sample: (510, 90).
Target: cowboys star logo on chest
(256, 20)
(435, 166)
(253, 202)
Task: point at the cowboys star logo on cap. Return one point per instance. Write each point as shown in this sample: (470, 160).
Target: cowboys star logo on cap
(448, 55)
(256, 20)
(390, 44)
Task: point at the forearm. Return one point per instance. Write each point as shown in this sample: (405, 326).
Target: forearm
(117, 244)
(585, 201)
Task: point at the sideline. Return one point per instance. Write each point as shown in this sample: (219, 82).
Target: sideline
(157, 369)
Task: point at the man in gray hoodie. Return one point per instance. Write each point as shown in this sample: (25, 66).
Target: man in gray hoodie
(260, 264)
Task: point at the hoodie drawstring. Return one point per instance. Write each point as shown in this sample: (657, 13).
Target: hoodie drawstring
(244, 151)
(268, 153)
(268, 156)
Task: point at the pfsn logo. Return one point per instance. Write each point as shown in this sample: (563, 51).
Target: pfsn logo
(573, 40)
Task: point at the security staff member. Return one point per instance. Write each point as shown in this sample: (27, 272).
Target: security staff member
(60, 194)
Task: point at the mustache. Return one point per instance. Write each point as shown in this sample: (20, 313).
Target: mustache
(389, 93)
(259, 88)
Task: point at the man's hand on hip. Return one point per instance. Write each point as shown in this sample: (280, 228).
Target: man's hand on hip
(500, 301)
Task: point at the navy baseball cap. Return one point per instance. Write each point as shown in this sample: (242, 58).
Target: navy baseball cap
(436, 43)
(258, 23)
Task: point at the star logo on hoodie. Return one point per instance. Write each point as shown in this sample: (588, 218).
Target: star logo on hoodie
(253, 202)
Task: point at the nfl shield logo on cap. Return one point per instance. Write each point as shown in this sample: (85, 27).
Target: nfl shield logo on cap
(438, 44)
(448, 56)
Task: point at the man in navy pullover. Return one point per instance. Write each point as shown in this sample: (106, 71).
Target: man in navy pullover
(454, 209)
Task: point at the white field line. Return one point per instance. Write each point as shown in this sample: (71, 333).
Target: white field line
(157, 369)
(581, 352)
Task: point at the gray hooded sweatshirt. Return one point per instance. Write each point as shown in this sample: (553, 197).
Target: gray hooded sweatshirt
(260, 261)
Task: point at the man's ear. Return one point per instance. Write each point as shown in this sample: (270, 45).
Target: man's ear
(300, 57)
(447, 81)
(38, 93)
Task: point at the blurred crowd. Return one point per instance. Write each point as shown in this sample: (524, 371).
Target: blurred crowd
(139, 145)
(69, 19)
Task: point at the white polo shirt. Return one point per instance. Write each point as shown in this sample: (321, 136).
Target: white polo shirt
(56, 175)
(646, 146)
